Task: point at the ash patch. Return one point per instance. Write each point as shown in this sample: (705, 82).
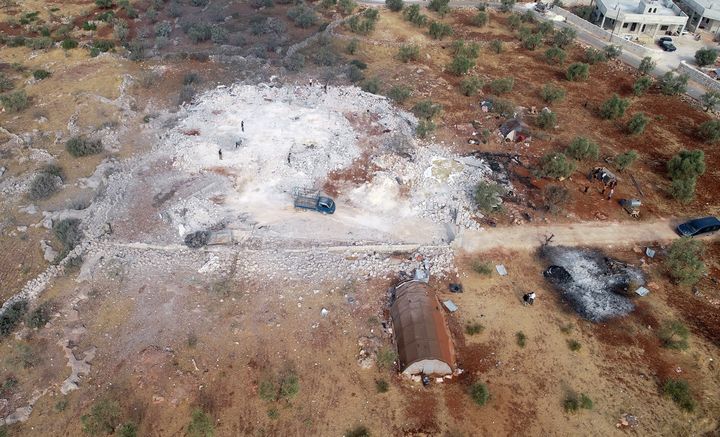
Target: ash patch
(595, 285)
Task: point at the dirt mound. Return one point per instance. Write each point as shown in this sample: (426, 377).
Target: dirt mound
(595, 285)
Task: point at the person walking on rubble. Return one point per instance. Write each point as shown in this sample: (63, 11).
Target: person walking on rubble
(242, 125)
(220, 154)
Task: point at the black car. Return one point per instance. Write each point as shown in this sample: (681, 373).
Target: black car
(699, 226)
(663, 40)
(669, 47)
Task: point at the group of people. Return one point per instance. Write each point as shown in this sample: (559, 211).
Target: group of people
(238, 143)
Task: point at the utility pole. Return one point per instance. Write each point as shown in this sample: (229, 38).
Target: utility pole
(615, 22)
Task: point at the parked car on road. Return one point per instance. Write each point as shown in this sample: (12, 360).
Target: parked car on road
(666, 43)
(699, 226)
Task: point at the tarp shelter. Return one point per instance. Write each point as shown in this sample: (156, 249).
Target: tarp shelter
(422, 336)
(515, 130)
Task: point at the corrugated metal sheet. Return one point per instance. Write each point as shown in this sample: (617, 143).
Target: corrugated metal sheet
(419, 325)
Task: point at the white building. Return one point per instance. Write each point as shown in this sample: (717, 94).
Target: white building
(704, 14)
(634, 18)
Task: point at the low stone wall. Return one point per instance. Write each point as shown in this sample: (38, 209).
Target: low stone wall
(698, 76)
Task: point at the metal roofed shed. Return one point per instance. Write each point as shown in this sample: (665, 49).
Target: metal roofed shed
(423, 339)
(515, 130)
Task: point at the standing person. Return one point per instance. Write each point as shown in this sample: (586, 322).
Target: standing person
(529, 298)
(220, 154)
(325, 88)
(242, 125)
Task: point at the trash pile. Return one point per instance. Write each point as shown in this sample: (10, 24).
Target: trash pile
(595, 285)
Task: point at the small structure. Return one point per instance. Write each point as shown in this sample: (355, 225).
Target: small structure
(421, 333)
(515, 130)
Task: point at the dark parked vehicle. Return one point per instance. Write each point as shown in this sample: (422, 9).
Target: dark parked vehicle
(666, 43)
(699, 226)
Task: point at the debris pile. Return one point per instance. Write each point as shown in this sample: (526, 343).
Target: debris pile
(595, 285)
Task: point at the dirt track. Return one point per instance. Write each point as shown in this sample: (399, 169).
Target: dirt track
(580, 234)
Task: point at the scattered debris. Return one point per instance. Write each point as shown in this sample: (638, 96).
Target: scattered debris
(450, 305)
(324, 312)
(642, 291)
(650, 252)
(627, 420)
(502, 271)
(455, 288)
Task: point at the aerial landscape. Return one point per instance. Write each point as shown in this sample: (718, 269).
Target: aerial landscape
(359, 218)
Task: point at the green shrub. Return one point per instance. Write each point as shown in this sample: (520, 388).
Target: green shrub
(521, 338)
(426, 109)
(684, 261)
(346, 7)
(294, 62)
(382, 386)
(555, 165)
(551, 93)
(395, 5)
(503, 85)
(710, 100)
(355, 74)
(636, 125)
(44, 185)
(352, 46)
(709, 131)
(585, 402)
(496, 46)
(482, 268)
(303, 16)
(424, 128)
(480, 19)
(41, 74)
(674, 335)
(507, 5)
(564, 37)
(641, 85)
(127, 430)
(439, 6)
(68, 232)
(514, 21)
(413, 15)
(468, 50)
(555, 196)
(199, 3)
(103, 45)
(408, 52)
(201, 425)
(470, 85)
(683, 190)
(439, 30)
(479, 393)
(625, 160)
(89, 26)
(358, 431)
(12, 317)
(687, 164)
(706, 56)
(399, 93)
(488, 196)
(582, 149)
(679, 391)
(14, 101)
(103, 418)
(574, 345)
(647, 65)
(577, 72)
(371, 85)
(594, 56)
(614, 107)
(503, 107)
(460, 65)
(546, 120)
(555, 55)
(386, 357)
(104, 3)
(69, 44)
(612, 51)
(267, 390)
(671, 84)
(5, 83)
(531, 41)
(218, 34)
(81, 146)
(545, 28)
(474, 328)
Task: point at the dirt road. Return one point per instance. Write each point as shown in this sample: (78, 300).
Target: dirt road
(579, 234)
